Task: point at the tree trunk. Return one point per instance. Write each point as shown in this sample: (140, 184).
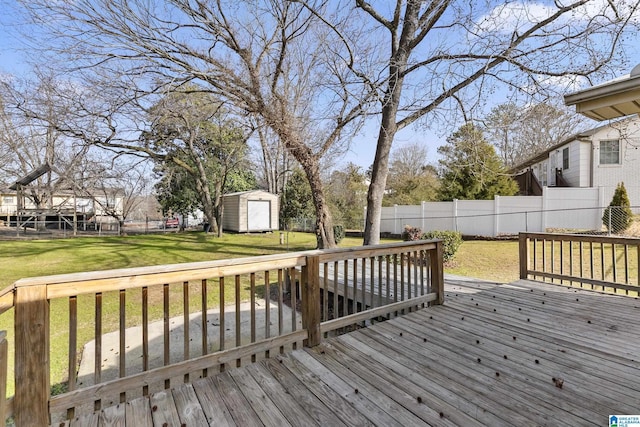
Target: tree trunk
(380, 169)
(379, 180)
(324, 222)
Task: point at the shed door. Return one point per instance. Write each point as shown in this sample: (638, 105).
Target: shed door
(258, 215)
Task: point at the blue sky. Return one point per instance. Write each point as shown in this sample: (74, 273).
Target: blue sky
(14, 61)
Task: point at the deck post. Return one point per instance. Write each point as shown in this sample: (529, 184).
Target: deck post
(32, 356)
(437, 273)
(523, 254)
(3, 377)
(311, 301)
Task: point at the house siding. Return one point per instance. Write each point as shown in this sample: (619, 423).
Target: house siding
(609, 176)
(585, 169)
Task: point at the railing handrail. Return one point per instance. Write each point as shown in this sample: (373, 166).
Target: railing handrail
(31, 298)
(64, 285)
(566, 237)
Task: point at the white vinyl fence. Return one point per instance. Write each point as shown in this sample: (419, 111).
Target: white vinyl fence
(558, 208)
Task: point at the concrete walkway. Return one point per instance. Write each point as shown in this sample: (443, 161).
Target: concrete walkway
(133, 340)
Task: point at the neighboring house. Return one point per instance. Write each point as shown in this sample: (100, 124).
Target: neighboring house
(601, 157)
(63, 202)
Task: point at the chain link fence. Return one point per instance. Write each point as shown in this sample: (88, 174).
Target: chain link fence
(64, 227)
(616, 220)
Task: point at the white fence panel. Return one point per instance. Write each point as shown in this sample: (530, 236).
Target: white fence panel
(476, 217)
(566, 208)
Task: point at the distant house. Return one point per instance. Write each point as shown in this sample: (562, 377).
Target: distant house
(601, 157)
(250, 211)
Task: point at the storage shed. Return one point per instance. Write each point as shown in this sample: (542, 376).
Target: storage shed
(250, 211)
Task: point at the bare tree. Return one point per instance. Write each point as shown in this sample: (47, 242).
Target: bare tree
(520, 132)
(310, 84)
(275, 162)
(115, 187)
(32, 113)
(412, 179)
(266, 59)
(444, 54)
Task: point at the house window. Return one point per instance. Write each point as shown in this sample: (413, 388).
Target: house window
(8, 200)
(610, 152)
(565, 159)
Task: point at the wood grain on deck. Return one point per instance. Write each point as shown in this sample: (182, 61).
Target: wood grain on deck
(489, 356)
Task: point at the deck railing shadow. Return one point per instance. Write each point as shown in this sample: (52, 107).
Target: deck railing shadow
(325, 291)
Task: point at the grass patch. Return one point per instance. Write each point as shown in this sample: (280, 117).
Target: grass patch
(495, 260)
(21, 259)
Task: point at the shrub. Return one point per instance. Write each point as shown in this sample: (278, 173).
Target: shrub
(451, 241)
(338, 233)
(410, 233)
(618, 217)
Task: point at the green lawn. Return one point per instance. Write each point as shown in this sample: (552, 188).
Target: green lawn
(20, 259)
(495, 260)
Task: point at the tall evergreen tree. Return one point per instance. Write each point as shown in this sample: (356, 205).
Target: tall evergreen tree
(618, 216)
(471, 169)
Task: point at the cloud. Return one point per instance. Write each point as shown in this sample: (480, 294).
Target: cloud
(516, 16)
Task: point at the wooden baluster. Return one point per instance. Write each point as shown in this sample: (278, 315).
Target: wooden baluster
(186, 324)
(73, 343)
(345, 294)
(97, 373)
(336, 308)
(280, 307)
(581, 250)
(166, 319)
(325, 292)
(294, 303)
(252, 281)
(238, 319)
(73, 351)
(145, 335)
(267, 313)
(205, 325)
(614, 264)
(591, 261)
(222, 327)
(122, 362)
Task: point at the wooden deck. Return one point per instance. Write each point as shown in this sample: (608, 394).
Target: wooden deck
(523, 354)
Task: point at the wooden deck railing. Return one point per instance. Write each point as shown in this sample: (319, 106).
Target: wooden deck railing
(197, 317)
(605, 263)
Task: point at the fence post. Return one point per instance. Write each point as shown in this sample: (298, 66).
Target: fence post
(496, 217)
(437, 273)
(31, 356)
(454, 206)
(311, 301)
(523, 254)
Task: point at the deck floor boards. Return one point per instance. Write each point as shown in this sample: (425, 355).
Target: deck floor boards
(488, 356)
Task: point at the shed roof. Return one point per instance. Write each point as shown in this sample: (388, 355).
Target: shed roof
(239, 193)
